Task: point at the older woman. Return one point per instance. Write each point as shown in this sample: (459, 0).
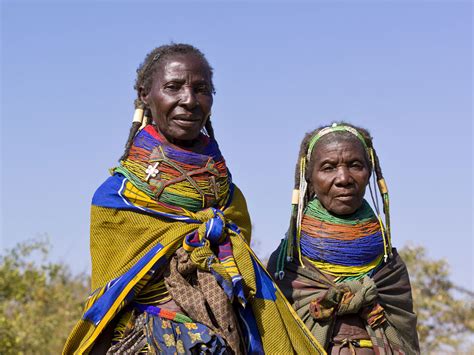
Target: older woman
(172, 271)
(336, 265)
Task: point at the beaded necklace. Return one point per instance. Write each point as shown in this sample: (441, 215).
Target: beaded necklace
(349, 246)
(177, 177)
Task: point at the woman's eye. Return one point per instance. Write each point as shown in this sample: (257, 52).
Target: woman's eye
(357, 166)
(327, 168)
(172, 87)
(203, 89)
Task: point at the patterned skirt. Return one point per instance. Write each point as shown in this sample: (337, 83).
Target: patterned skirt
(147, 333)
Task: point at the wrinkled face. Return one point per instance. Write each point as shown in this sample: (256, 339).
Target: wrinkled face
(340, 175)
(180, 98)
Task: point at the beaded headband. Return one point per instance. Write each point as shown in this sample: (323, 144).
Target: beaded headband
(331, 129)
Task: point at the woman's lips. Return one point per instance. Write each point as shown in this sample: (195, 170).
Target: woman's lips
(345, 197)
(185, 121)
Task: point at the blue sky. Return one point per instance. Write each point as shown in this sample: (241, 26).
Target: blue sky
(402, 69)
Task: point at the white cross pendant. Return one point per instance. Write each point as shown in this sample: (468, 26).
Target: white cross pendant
(152, 171)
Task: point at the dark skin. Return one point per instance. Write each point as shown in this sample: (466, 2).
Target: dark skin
(180, 98)
(340, 175)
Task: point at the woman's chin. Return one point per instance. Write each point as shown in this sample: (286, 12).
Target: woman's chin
(343, 209)
(181, 137)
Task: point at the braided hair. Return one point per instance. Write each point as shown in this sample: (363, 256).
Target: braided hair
(144, 82)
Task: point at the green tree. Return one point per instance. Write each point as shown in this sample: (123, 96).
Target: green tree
(39, 301)
(445, 311)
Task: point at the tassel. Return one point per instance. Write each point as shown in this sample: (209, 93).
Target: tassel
(299, 216)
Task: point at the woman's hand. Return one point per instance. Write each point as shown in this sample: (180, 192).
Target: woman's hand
(345, 298)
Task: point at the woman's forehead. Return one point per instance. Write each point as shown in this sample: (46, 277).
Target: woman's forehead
(182, 65)
(336, 144)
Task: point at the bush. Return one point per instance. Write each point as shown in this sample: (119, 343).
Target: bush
(39, 301)
(445, 311)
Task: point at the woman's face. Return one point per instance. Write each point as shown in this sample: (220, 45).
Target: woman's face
(180, 98)
(340, 175)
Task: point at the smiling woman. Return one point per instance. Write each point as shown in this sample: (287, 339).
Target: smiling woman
(336, 265)
(180, 98)
(174, 92)
(172, 271)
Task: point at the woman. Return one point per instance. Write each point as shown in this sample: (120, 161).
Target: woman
(172, 271)
(336, 265)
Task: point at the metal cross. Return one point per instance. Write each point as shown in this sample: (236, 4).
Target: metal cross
(152, 171)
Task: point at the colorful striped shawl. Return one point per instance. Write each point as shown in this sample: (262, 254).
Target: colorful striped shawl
(133, 236)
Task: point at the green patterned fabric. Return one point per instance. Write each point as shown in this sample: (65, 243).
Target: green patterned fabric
(390, 286)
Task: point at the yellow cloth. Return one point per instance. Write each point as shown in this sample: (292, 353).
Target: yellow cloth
(119, 238)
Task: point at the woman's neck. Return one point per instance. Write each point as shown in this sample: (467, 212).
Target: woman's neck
(195, 145)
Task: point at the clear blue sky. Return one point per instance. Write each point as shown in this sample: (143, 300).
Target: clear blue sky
(403, 69)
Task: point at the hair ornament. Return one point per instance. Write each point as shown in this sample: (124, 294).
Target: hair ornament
(138, 115)
(295, 197)
(382, 186)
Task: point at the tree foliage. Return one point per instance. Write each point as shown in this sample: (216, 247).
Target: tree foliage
(445, 311)
(39, 301)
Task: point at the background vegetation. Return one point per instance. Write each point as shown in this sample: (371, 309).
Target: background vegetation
(445, 310)
(40, 301)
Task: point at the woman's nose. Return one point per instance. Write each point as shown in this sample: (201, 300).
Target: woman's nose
(188, 97)
(343, 176)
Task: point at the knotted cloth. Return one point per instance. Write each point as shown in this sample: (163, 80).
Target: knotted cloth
(318, 301)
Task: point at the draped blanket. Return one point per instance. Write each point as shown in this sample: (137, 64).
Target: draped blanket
(138, 222)
(384, 301)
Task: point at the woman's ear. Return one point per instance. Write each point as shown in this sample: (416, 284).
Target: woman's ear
(143, 95)
(371, 171)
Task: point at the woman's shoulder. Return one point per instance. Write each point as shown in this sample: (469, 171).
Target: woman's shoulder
(108, 193)
(272, 261)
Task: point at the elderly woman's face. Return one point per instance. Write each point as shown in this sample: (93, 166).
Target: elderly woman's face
(180, 98)
(340, 175)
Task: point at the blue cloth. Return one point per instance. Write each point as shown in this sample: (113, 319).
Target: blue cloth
(169, 337)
